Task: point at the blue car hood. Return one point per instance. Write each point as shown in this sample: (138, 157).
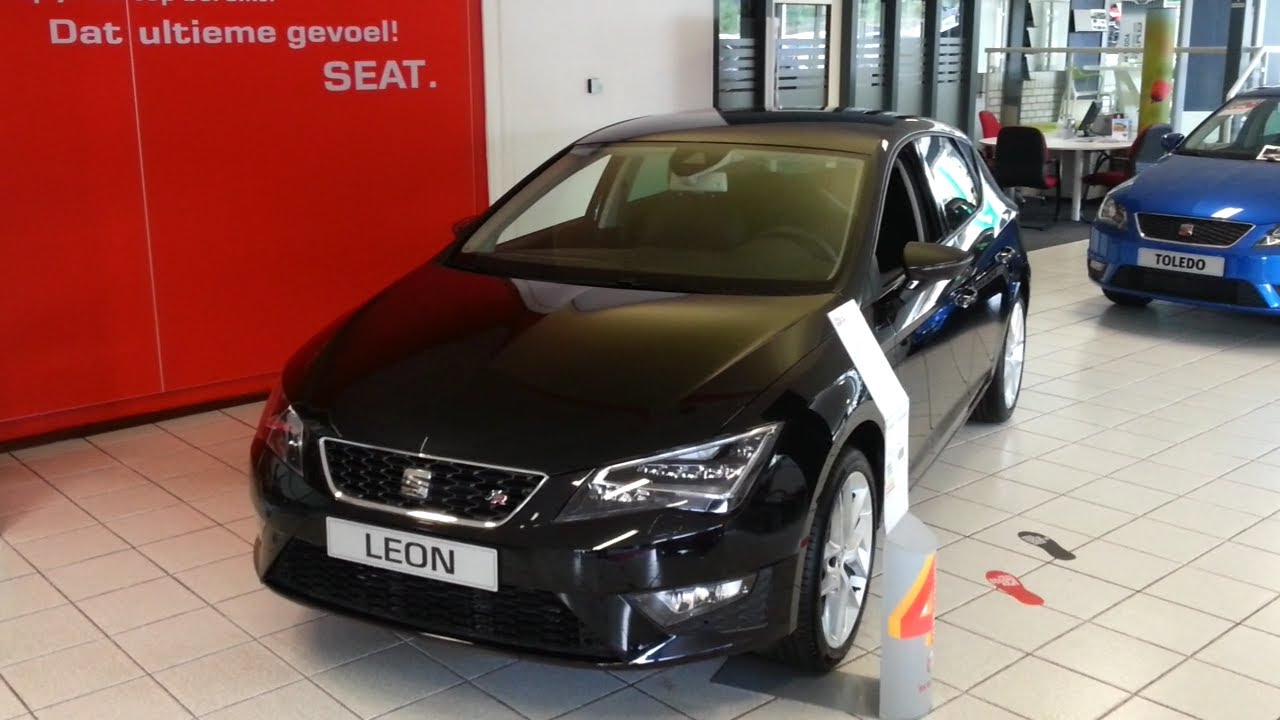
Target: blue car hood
(1200, 187)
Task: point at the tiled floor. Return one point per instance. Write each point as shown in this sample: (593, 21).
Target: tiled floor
(1147, 444)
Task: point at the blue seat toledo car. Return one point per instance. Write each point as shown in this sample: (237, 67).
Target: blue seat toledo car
(1202, 226)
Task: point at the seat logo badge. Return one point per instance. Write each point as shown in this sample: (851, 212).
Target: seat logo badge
(498, 499)
(415, 484)
(1186, 230)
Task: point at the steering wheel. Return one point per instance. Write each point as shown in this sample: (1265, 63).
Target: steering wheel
(811, 243)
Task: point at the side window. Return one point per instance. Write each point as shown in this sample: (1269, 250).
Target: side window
(900, 222)
(1272, 127)
(952, 182)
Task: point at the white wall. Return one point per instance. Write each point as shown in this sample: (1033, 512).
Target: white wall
(652, 57)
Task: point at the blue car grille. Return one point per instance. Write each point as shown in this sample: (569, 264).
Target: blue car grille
(1193, 231)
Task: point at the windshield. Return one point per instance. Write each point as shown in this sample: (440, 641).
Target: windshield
(687, 217)
(1244, 129)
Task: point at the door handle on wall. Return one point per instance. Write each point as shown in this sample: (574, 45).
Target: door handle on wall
(966, 297)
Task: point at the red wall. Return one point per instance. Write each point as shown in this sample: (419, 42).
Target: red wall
(178, 217)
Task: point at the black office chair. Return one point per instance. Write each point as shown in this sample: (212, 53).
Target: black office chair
(1023, 161)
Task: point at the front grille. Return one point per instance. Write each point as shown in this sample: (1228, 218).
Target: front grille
(1188, 286)
(1215, 233)
(515, 618)
(472, 493)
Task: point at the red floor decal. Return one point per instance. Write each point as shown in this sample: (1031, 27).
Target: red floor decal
(1013, 587)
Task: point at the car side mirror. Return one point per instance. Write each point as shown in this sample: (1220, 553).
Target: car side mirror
(1172, 141)
(464, 227)
(929, 262)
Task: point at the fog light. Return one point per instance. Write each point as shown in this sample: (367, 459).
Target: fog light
(668, 607)
(1097, 266)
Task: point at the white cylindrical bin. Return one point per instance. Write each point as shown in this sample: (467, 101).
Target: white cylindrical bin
(906, 655)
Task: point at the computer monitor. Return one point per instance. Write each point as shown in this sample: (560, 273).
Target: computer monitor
(1090, 117)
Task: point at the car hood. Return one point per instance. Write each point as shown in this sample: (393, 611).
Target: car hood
(548, 376)
(1200, 187)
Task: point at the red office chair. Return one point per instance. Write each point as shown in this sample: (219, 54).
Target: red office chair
(1146, 149)
(990, 128)
(1023, 161)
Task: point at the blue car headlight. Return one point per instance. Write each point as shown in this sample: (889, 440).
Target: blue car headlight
(1112, 213)
(1271, 239)
(712, 478)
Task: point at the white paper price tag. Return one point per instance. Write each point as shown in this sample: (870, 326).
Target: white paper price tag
(890, 398)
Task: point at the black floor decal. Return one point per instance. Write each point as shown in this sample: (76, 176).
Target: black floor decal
(1048, 544)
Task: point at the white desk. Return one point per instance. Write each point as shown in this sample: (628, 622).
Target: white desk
(1077, 148)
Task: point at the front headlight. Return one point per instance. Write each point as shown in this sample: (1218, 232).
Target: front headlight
(1272, 239)
(711, 478)
(1111, 213)
(282, 432)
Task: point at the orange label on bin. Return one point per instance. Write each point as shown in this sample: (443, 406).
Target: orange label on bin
(913, 617)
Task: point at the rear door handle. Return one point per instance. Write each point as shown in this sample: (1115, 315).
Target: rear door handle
(966, 297)
(1004, 256)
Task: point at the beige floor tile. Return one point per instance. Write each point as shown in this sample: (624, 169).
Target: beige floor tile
(1214, 594)
(227, 677)
(1165, 478)
(388, 679)
(1246, 651)
(248, 413)
(1049, 476)
(1204, 517)
(263, 612)
(227, 506)
(104, 574)
(12, 564)
(328, 642)
(1239, 497)
(1090, 459)
(16, 497)
(1268, 618)
(465, 660)
(246, 529)
(44, 522)
(624, 705)
(71, 547)
(1256, 474)
(942, 477)
(1001, 494)
(968, 707)
(1142, 709)
(213, 480)
(70, 673)
(1163, 623)
(222, 580)
(1111, 657)
(70, 463)
(952, 591)
(10, 705)
(1078, 515)
(964, 659)
(26, 595)
(972, 559)
(301, 700)
(45, 632)
(159, 524)
(141, 699)
(96, 482)
(982, 459)
(159, 468)
(1263, 536)
(1005, 535)
(1120, 565)
(1210, 693)
(1243, 563)
(139, 605)
(194, 549)
(460, 698)
(1007, 621)
(129, 501)
(1020, 441)
(1163, 540)
(180, 639)
(958, 516)
(1073, 593)
(1037, 689)
(1123, 496)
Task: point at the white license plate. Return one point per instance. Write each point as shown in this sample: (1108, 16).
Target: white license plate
(1182, 262)
(413, 554)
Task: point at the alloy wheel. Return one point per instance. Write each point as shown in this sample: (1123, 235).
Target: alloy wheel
(1015, 351)
(846, 569)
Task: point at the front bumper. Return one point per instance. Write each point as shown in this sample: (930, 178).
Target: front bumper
(1249, 283)
(555, 600)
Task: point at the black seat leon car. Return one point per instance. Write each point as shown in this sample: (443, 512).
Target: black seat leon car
(612, 423)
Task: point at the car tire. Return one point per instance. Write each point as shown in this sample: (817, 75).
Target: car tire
(824, 632)
(1001, 396)
(1126, 300)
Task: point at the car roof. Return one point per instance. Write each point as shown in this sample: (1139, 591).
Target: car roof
(1267, 91)
(858, 131)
